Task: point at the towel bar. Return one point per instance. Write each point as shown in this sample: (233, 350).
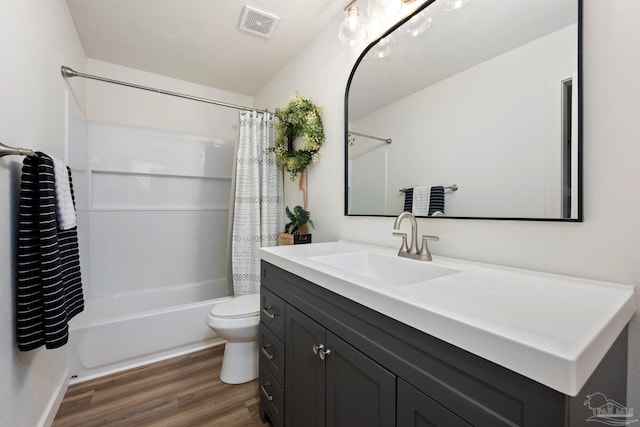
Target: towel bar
(453, 187)
(5, 150)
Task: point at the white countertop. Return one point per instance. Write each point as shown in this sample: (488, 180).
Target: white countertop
(550, 328)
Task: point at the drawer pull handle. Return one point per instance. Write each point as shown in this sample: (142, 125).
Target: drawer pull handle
(265, 392)
(266, 353)
(269, 314)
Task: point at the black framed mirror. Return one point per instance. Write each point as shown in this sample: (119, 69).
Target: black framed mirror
(480, 106)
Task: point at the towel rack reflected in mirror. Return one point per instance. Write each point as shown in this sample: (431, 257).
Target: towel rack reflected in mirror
(453, 187)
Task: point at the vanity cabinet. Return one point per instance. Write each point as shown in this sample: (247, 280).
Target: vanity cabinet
(330, 383)
(377, 371)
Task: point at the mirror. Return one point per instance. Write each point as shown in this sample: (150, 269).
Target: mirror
(484, 99)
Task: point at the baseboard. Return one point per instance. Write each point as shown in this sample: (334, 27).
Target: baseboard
(55, 401)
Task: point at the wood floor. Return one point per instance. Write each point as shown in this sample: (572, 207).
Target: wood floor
(179, 392)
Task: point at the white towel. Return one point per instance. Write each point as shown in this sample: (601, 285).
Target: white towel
(420, 201)
(65, 210)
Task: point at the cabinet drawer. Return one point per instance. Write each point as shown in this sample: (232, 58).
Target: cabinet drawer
(272, 353)
(272, 313)
(271, 396)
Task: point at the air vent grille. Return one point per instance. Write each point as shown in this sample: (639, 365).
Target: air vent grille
(257, 22)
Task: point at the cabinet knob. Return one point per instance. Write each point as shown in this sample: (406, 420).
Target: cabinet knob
(324, 353)
(317, 348)
(321, 351)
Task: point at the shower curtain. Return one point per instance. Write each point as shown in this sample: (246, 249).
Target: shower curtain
(258, 204)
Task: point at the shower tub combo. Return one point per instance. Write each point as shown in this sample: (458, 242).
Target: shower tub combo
(153, 218)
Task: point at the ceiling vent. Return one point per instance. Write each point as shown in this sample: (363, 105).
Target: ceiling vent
(257, 22)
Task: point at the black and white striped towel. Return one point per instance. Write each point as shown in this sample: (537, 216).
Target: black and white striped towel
(49, 287)
(408, 200)
(436, 200)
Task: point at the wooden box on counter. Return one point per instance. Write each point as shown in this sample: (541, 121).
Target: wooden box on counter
(293, 239)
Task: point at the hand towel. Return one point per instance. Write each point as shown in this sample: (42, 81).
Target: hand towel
(408, 200)
(436, 200)
(420, 201)
(65, 209)
(49, 287)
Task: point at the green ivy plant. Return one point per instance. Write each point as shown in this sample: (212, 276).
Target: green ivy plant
(298, 217)
(300, 118)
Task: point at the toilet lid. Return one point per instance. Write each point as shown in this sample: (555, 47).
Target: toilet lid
(242, 306)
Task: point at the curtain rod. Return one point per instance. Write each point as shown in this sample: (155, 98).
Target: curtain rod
(69, 72)
(387, 140)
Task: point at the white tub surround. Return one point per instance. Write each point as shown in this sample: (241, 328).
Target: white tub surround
(550, 328)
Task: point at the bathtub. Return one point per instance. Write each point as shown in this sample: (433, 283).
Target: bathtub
(135, 328)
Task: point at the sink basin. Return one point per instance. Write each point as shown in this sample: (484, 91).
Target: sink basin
(387, 269)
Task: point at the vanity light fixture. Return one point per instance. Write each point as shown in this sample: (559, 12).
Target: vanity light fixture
(418, 24)
(352, 29)
(450, 5)
(383, 48)
(383, 10)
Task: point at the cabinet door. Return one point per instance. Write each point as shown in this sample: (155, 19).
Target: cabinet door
(304, 371)
(416, 409)
(359, 391)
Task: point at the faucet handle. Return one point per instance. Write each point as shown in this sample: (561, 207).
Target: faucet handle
(424, 253)
(403, 247)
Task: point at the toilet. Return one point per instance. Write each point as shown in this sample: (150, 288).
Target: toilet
(236, 321)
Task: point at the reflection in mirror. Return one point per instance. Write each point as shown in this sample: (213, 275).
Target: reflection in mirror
(485, 97)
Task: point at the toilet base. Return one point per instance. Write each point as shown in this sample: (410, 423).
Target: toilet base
(240, 362)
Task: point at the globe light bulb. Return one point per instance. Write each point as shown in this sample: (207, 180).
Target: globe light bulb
(383, 10)
(352, 30)
(383, 48)
(418, 24)
(450, 5)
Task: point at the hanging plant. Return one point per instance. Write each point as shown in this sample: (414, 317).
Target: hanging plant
(300, 118)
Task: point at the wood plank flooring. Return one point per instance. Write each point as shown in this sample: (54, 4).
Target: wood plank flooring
(179, 392)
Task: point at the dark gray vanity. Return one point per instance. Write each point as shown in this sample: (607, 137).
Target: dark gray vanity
(327, 360)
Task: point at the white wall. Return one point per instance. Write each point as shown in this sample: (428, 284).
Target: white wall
(449, 133)
(36, 38)
(603, 247)
(127, 106)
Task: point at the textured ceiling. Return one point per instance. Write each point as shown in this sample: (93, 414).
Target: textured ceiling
(198, 40)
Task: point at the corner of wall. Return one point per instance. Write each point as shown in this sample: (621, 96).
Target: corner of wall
(52, 407)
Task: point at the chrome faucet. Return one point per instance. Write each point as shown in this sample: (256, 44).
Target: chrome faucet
(411, 250)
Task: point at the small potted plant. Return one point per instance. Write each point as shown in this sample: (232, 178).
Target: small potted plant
(297, 230)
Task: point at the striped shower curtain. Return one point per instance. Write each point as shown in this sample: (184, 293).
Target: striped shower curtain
(258, 205)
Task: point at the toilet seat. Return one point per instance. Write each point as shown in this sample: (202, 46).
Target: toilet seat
(238, 307)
